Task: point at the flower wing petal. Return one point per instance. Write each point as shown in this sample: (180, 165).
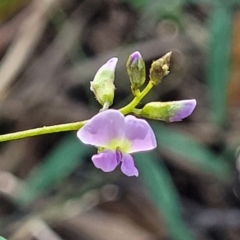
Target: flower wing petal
(103, 128)
(106, 161)
(140, 134)
(128, 167)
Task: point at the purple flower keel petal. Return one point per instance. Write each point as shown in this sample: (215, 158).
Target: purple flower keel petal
(128, 167)
(106, 161)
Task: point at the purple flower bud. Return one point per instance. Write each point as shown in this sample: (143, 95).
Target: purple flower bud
(103, 83)
(167, 111)
(136, 70)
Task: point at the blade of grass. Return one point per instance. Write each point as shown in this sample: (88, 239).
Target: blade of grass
(220, 27)
(194, 153)
(212, 2)
(57, 165)
(160, 186)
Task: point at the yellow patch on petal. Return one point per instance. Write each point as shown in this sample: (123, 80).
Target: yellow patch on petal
(122, 145)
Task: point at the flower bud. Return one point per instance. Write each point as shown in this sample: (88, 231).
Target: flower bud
(168, 111)
(103, 83)
(136, 70)
(160, 68)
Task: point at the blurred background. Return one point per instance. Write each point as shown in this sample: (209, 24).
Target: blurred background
(188, 187)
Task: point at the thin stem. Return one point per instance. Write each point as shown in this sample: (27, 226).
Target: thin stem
(129, 108)
(71, 126)
(136, 111)
(42, 130)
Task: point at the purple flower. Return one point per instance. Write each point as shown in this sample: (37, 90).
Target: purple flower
(117, 136)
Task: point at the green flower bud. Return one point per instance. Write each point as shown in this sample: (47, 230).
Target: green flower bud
(136, 71)
(168, 111)
(103, 83)
(160, 68)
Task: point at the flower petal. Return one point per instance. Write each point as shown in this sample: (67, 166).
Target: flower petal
(106, 71)
(103, 128)
(106, 161)
(111, 64)
(183, 109)
(140, 134)
(128, 167)
(134, 57)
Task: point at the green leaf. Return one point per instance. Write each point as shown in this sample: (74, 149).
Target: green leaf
(137, 3)
(220, 27)
(57, 165)
(161, 189)
(192, 152)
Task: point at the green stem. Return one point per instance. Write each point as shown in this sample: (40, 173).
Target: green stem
(129, 108)
(42, 130)
(71, 126)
